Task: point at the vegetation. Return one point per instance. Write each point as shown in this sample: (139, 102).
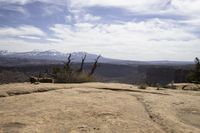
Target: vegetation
(14, 71)
(194, 75)
(142, 86)
(69, 75)
(8, 76)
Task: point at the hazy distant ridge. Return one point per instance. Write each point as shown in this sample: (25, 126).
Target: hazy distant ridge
(54, 55)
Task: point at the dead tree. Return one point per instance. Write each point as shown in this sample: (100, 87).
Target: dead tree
(69, 60)
(82, 63)
(67, 64)
(94, 66)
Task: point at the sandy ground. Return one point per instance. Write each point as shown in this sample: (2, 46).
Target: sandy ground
(97, 108)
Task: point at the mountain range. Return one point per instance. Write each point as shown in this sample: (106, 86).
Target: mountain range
(53, 55)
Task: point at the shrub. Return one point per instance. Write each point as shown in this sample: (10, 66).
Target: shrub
(9, 76)
(33, 79)
(194, 75)
(45, 80)
(73, 77)
(69, 75)
(142, 86)
(81, 77)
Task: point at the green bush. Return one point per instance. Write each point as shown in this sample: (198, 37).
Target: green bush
(194, 75)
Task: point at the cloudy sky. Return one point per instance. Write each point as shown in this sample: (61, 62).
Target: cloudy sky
(123, 29)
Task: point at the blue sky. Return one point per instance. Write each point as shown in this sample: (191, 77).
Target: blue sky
(123, 29)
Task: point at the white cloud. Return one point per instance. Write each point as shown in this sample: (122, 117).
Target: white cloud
(25, 30)
(54, 40)
(16, 45)
(78, 17)
(153, 39)
(30, 37)
(85, 17)
(115, 3)
(16, 1)
(14, 8)
(88, 17)
(68, 18)
(194, 22)
(148, 40)
(189, 8)
(51, 9)
(172, 6)
(23, 2)
(154, 29)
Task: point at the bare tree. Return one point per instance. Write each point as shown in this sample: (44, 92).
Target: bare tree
(67, 64)
(69, 60)
(82, 63)
(69, 75)
(94, 66)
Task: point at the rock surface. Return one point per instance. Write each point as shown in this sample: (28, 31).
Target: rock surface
(97, 108)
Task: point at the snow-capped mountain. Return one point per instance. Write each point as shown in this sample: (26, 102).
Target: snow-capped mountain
(3, 52)
(49, 55)
(53, 55)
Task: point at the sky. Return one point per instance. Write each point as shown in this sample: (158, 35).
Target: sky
(123, 29)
